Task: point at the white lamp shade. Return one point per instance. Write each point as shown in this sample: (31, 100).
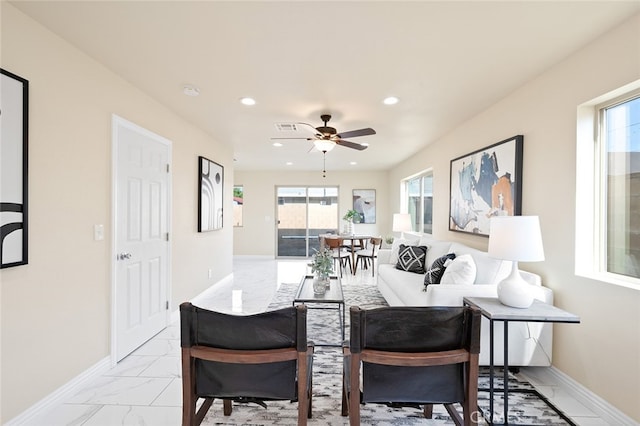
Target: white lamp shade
(516, 238)
(401, 222)
(324, 145)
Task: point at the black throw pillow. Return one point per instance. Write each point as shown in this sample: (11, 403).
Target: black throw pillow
(435, 272)
(412, 258)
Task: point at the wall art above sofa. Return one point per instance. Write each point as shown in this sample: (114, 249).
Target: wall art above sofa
(486, 183)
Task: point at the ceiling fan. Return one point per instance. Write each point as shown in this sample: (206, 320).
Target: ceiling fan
(326, 138)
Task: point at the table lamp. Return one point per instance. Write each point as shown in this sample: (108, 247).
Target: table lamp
(401, 223)
(518, 239)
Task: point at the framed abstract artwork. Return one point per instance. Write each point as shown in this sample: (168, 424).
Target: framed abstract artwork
(364, 202)
(14, 125)
(211, 183)
(486, 183)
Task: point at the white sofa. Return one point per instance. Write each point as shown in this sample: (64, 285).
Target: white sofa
(530, 344)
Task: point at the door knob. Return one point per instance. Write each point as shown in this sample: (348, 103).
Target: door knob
(123, 256)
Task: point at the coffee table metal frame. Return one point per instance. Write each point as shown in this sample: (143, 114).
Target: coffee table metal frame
(332, 296)
(494, 311)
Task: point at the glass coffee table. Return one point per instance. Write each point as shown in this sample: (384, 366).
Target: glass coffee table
(332, 298)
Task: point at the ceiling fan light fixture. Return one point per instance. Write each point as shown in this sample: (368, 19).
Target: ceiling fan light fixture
(324, 145)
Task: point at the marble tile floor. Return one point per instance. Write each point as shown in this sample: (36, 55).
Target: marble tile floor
(145, 388)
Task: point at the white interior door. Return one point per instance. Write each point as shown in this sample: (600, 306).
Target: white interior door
(141, 236)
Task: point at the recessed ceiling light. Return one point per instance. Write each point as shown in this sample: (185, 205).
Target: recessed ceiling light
(391, 100)
(247, 101)
(278, 144)
(353, 163)
(289, 163)
(190, 90)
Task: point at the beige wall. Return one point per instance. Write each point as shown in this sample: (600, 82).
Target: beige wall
(257, 236)
(603, 352)
(56, 310)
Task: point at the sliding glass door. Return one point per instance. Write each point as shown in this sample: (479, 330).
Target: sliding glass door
(302, 214)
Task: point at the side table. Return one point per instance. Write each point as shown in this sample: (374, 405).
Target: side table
(494, 311)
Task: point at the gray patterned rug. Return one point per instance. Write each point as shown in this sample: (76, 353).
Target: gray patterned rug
(324, 328)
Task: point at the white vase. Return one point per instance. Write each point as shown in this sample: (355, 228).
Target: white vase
(349, 227)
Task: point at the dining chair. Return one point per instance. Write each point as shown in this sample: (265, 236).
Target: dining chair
(339, 253)
(244, 359)
(367, 255)
(408, 356)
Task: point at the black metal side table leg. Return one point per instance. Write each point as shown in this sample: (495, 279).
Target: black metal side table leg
(491, 364)
(505, 385)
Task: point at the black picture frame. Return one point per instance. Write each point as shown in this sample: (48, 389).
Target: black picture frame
(14, 156)
(486, 183)
(210, 195)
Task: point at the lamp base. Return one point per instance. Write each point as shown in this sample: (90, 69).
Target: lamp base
(514, 291)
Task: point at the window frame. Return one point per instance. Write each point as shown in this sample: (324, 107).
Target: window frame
(405, 199)
(591, 188)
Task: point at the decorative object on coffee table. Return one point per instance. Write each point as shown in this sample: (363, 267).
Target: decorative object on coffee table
(322, 267)
(515, 238)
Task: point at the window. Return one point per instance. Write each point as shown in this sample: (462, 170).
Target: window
(619, 149)
(608, 188)
(238, 202)
(418, 199)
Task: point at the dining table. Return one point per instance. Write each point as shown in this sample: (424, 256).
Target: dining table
(347, 237)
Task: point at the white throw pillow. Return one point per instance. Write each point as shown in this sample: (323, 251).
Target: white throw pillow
(395, 247)
(461, 270)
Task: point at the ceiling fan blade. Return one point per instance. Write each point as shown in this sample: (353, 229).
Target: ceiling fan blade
(310, 127)
(349, 144)
(360, 132)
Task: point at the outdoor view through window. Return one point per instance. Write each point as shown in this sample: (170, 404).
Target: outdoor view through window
(622, 153)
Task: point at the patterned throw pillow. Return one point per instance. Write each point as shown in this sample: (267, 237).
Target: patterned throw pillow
(435, 272)
(412, 258)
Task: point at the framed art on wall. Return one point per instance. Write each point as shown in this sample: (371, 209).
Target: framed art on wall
(211, 182)
(364, 202)
(486, 183)
(14, 122)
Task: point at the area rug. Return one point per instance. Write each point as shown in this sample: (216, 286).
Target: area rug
(324, 328)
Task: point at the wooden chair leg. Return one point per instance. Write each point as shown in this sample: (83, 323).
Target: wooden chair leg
(227, 408)
(428, 411)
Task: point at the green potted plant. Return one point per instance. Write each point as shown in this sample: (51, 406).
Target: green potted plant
(322, 267)
(351, 217)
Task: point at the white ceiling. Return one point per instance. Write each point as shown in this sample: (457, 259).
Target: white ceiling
(446, 61)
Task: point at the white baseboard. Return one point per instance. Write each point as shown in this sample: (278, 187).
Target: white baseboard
(599, 406)
(60, 395)
(175, 315)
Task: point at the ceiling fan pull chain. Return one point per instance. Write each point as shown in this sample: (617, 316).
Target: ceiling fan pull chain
(324, 164)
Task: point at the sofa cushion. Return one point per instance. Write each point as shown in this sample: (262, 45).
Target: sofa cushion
(489, 269)
(395, 247)
(412, 258)
(437, 269)
(461, 270)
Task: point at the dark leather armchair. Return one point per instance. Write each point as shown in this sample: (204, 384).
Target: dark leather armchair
(252, 358)
(413, 356)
